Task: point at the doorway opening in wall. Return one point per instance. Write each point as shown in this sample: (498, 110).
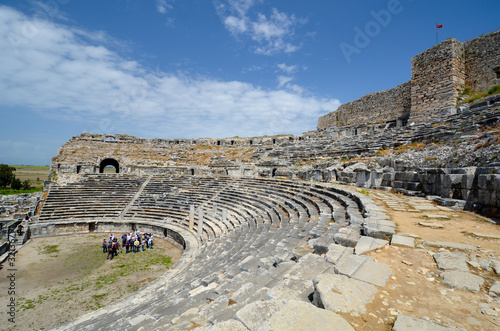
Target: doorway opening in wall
(497, 72)
(91, 227)
(109, 166)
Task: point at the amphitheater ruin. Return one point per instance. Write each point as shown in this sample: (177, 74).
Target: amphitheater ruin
(282, 232)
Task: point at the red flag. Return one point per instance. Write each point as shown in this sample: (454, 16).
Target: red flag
(439, 26)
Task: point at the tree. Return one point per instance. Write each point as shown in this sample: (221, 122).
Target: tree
(6, 175)
(26, 184)
(16, 184)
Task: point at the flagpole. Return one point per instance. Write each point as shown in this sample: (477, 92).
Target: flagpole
(436, 33)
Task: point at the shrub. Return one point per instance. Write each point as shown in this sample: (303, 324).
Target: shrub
(26, 184)
(16, 184)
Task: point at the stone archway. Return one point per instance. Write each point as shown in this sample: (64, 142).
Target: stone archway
(109, 162)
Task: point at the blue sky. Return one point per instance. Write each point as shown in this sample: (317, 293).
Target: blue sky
(200, 68)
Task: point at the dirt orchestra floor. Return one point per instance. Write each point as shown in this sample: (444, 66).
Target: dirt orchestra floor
(61, 278)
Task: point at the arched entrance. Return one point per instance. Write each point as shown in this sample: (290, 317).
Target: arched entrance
(109, 163)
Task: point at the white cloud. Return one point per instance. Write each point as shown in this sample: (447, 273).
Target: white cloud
(164, 5)
(272, 34)
(235, 25)
(288, 69)
(282, 80)
(63, 73)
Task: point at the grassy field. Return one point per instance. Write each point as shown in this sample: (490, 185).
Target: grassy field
(35, 174)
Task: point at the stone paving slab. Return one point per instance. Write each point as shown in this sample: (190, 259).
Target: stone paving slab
(398, 240)
(372, 272)
(291, 288)
(339, 293)
(451, 261)
(308, 267)
(450, 245)
(298, 315)
(462, 280)
(441, 217)
(335, 252)
(486, 235)
(433, 225)
(347, 265)
(255, 313)
(367, 244)
(407, 323)
(362, 267)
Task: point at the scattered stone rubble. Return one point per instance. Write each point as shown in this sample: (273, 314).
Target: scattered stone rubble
(16, 206)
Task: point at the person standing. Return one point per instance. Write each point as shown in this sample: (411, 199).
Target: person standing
(143, 243)
(136, 245)
(104, 246)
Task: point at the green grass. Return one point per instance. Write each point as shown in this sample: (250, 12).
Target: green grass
(363, 191)
(9, 191)
(492, 91)
(50, 249)
(35, 174)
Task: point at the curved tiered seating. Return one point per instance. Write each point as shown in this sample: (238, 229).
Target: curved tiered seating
(94, 196)
(268, 226)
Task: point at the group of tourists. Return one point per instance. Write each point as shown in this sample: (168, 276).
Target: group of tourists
(133, 242)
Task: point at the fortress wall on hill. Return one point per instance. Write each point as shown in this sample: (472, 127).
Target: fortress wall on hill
(374, 108)
(437, 79)
(482, 62)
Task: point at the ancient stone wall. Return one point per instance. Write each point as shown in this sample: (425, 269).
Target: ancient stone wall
(471, 188)
(437, 80)
(374, 108)
(89, 153)
(482, 62)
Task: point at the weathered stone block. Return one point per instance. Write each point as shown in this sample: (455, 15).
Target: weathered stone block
(451, 261)
(398, 240)
(297, 315)
(339, 293)
(366, 244)
(462, 280)
(255, 313)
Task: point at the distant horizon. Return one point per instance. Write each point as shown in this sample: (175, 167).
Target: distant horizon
(186, 70)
